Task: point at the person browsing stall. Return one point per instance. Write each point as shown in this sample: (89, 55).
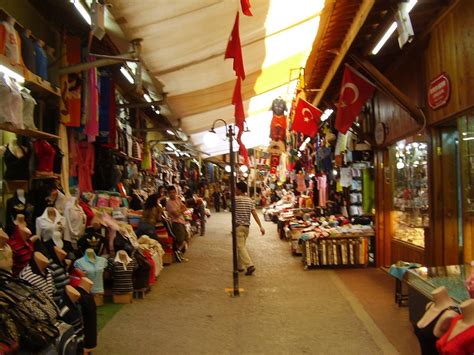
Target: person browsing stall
(244, 207)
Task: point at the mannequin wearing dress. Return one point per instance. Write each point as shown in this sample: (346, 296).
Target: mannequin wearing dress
(435, 321)
(459, 339)
(16, 159)
(6, 255)
(21, 245)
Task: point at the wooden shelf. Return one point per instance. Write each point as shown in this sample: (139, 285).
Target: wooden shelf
(32, 81)
(44, 177)
(28, 132)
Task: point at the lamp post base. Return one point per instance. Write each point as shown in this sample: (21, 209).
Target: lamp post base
(233, 292)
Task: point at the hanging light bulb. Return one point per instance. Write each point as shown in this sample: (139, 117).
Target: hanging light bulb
(227, 168)
(400, 165)
(211, 139)
(244, 168)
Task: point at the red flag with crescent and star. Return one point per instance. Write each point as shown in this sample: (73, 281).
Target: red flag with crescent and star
(306, 118)
(355, 92)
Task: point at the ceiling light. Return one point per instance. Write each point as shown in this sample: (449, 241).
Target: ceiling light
(211, 139)
(391, 29)
(83, 11)
(169, 149)
(327, 112)
(147, 98)
(245, 175)
(172, 146)
(227, 168)
(169, 131)
(400, 165)
(244, 168)
(468, 139)
(11, 74)
(127, 75)
(157, 111)
(187, 154)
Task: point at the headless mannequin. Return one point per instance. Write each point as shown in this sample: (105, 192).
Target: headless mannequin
(86, 284)
(90, 254)
(467, 320)
(41, 261)
(15, 148)
(21, 222)
(72, 293)
(6, 256)
(61, 254)
(20, 193)
(441, 301)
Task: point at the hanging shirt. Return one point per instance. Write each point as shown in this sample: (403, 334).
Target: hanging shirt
(91, 128)
(28, 51)
(75, 222)
(10, 43)
(94, 270)
(322, 188)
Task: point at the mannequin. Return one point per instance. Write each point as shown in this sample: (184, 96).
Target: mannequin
(75, 222)
(72, 293)
(21, 245)
(94, 267)
(89, 314)
(16, 161)
(436, 320)
(28, 50)
(41, 60)
(459, 337)
(6, 255)
(38, 274)
(50, 225)
(46, 154)
(29, 104)
(16, 206)
(123, 272)
(11, 48)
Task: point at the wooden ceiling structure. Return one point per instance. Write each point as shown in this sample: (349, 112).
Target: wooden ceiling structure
(349, 31)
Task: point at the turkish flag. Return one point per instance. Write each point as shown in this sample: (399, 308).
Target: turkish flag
(239, 115)
(306, 118)
(234, 50)
(355, 92)
(245, 4)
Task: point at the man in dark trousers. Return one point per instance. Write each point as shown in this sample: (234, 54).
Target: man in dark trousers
(216, 197)
(244, 207)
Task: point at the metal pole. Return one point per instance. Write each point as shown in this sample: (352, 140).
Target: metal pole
(235, 271)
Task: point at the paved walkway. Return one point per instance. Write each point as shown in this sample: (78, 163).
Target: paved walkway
(283, 310)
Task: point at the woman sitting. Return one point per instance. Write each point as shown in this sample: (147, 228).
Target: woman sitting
(152, 214)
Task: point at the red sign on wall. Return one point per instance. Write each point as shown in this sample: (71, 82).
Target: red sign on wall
(439, 91)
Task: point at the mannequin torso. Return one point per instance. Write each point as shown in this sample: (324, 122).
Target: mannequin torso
(6, 256)
(72, 293)
(467, 321)
(440, 308)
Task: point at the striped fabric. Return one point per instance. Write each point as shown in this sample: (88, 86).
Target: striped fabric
(60, 279)
(243, 208)
(43, 282)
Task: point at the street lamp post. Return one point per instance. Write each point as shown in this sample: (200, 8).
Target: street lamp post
(235, 272)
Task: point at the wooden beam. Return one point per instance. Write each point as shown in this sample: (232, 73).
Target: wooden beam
(386, 86)
(357, 23)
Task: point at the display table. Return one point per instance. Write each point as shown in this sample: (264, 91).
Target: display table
(422, 281)
(339, 251)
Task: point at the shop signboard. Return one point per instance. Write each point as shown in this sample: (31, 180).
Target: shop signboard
(439, 91)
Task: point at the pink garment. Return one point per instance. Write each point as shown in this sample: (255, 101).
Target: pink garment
(300, 183)
(322, 188)
(85, 165)
(91, 128)
(72, 153)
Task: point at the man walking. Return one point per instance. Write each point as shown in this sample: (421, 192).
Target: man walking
(244, 207)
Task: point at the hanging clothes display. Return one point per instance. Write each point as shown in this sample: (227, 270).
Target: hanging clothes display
(75, 222)
(322, 188)
(91, 128)
(71, 84)
(29, 104)
(10, 42)
(84, 154)
(28, 50)
(41, 60)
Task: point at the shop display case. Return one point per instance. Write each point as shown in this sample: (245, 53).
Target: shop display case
(410, 215)
(466, 130)
(423, 281)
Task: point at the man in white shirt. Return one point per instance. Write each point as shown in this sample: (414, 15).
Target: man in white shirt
(244, 207)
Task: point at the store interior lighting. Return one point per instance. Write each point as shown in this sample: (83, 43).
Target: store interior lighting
(170, 132)
(227, 168)
(327, 112)
(11, 74)
(303, 145)
(127, 75)
(83, 11)
(172, 146)
(169, 149)
(391, 29)
(244, 168)
(147, 98)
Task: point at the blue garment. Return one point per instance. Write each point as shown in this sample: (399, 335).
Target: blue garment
(41, 61)
(94, 270)
(28, 52)
(399, 271)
